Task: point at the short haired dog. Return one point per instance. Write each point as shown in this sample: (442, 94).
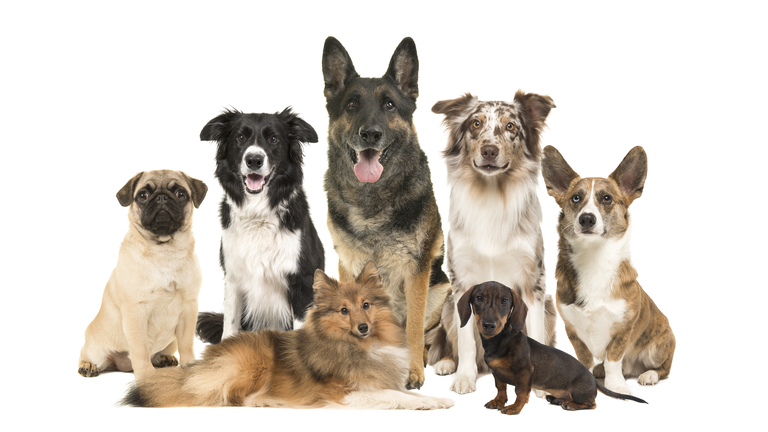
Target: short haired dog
(516, 359)
(607, 314)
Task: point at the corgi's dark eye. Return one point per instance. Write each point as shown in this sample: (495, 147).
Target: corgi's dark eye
(390, 106)
(366, 305)
(607, 199)
(576, 198)
(351, 105)
(273, 139)
(344, 311)
(240, 138)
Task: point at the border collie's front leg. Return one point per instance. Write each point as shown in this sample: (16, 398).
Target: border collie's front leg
(233, 308)
(466, 371)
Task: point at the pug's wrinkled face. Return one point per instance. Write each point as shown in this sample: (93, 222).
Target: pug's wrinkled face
(161, 201)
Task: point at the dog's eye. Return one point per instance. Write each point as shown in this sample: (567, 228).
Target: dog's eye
(510, 127)
(143, 195)
(504, 301)
(607, 199)
(273, 139)
(366, 305)
(344, 311)
(390, 106)
(351, 105)
(576, 198)
(180, 194)
(240, 138)
(476, 124)
(479, 299)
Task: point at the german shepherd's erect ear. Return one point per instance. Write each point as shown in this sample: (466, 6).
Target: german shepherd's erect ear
(404, 68)
(519, 311)
(337, 67)
(464, 306)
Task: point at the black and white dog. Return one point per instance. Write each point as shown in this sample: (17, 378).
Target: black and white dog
(269, 246)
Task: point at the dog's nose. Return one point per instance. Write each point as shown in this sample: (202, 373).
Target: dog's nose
(489, 152)
(254, 161)
(362, 328)
(371, 134)
(161, 199)
(587, 220)
(489, 326)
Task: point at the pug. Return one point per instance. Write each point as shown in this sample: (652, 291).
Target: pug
(149, 307)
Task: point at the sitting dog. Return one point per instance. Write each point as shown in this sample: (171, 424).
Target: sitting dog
(149, 306)
(350, 353)
(606, 313)
(521, 361)
(269, 246)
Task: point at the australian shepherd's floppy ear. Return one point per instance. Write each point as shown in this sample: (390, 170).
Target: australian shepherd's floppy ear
(607, 314)
(493, 156)
(350, 353)
(269, 246)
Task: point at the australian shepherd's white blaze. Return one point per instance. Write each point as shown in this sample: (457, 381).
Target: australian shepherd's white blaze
(493, 157)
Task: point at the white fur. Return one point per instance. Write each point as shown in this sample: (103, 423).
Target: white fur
(258, 253)
(393, 399)
(254, 149)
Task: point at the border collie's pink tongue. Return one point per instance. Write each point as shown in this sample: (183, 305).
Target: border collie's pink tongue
(368, 169)
(254, 181)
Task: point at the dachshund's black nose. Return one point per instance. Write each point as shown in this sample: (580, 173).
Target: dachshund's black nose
(489, 326)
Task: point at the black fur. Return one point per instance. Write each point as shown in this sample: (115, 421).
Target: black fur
(235, 132)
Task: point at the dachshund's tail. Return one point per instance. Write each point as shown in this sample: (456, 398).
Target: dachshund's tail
(613, 394)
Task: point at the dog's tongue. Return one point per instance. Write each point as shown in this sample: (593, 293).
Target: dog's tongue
(254, 181)
(368, 169)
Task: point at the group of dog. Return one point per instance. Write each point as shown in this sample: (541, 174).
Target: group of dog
(367, 337)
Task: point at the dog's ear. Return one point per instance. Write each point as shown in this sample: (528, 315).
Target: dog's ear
(464, 306)
(323, 283)
(299, 131)
(217, 129)
(558, 175)
(631, 172)
(125, 194)
(404, 68)
(337, 67)
(198, 189)
(456, 113)
(536, 108)
(519, 311)
(370, 273)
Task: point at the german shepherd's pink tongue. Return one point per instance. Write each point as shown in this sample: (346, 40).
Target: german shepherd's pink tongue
(368, 169)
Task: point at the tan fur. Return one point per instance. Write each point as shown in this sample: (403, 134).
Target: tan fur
(149, 307)
(327, 362)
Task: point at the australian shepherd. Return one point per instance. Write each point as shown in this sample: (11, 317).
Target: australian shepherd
(269, 246)
(350, 353)
(493, 156)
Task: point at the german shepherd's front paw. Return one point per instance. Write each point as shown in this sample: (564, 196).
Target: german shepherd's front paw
(162, 361)
(415, 379)
(88, 369)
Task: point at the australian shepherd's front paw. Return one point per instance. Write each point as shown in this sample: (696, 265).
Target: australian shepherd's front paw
(445, 366)
(463, 385)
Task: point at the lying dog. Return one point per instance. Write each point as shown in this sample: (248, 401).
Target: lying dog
(269, 246)
(349, 353)
(149, 306)
(521, 361)
(493, 156)
(607, 314)
(381, 205)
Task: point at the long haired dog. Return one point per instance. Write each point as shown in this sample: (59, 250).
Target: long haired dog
(493, 156)
(269, 246)
(381, 205)
(606, 313)
(349, 353)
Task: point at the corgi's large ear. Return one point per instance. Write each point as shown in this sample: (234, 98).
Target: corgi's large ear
(519, 312)
(464, 306)
(404, 68)
(337, 67)
(125, 194)
(630, 174)
(558, 175)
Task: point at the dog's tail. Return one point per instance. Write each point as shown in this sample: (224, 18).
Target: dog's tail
(613, 394)
(210, 327)
(162, 388)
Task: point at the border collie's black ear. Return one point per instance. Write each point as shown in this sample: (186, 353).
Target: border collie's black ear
(215, 130)
(558, 175)
(404, 68)
(300, 129)
(199, 189)
(464, 307)
(518, 313)
(631, 172)
(125, 194)
(337, 67)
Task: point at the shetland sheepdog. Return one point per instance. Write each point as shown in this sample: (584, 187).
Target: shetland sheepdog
(350, 353)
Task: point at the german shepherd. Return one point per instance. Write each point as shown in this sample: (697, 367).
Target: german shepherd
(350, 353)
(381, 205)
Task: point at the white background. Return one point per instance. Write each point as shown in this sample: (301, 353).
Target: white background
(94, 93)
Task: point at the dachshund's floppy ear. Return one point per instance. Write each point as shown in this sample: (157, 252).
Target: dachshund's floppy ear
(464, 307)
(517, 315)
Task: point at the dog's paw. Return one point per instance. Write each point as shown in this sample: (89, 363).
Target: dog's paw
(496, 403)
(443, 403)
(650, 377)
(599, 371)
(463, 385)
(445, 366)
(162, 361)
(618, 385)
(415, 379)
(511, 410)
(88, 369)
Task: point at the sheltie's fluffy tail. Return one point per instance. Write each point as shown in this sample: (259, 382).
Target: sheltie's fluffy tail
(162, 388)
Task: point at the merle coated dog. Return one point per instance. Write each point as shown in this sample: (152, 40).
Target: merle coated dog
(269, 246)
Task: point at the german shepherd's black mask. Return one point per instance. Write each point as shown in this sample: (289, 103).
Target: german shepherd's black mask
(371, 132)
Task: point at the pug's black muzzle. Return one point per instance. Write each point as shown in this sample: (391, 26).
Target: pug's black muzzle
(162, 215)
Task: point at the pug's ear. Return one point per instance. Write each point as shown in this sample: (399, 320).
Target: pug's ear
(125, 194)
(199, 189)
